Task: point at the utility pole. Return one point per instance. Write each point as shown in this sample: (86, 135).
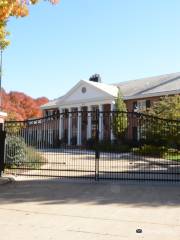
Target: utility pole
(2, 114)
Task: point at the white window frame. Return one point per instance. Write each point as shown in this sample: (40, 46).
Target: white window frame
(141, 105)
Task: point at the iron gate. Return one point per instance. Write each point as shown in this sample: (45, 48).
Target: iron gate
(119, 145)
(2, 147)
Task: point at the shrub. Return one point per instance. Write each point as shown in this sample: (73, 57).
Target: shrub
(107, 146)
(91, 143)
(15, 151)
(19, 154)
(74, 140)
(150, 150)
(157, 151)
(172, 154)
(33, 158)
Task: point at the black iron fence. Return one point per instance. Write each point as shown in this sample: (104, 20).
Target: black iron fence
(2, 148)
(94, 145)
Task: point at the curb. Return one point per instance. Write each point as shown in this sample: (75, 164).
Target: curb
(6, 180)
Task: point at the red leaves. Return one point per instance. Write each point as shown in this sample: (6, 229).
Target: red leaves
(19, 106)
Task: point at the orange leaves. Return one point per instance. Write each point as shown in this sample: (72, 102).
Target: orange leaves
(16, 8)
(54, 1)
(5, 11)
(19, 106)
(12, 8)
(34, 1)
(19, 10)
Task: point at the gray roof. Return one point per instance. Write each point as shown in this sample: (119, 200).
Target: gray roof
(152, 85)
(134, 89)
(51, 104)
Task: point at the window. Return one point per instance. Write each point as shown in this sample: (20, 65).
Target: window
(134, 106)
(83, 90)
(148, 103)
(141, 105)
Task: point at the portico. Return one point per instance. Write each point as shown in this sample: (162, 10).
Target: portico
(77, 123)
(79, 108)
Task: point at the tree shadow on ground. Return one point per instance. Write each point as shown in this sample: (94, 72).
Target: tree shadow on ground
(57, 191)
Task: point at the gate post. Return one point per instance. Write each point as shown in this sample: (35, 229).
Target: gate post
(97, 156)
(97, 152)
(2, 148)
(3, 115)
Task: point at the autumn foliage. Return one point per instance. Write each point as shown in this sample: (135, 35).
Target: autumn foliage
(19, 106)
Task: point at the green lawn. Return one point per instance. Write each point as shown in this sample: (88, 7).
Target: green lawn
(172, 156)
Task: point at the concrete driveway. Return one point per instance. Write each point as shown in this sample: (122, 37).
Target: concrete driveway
(82, 210)
(81, 163)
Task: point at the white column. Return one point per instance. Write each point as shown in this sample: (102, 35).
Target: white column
(61, 124)
(89, 126)
(79, 130)
(100, 122)
(69, 126)
(111, 119)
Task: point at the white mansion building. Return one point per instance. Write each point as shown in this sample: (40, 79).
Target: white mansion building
(92, 94)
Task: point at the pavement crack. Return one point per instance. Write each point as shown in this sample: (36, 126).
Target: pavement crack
(97, 233)
(91, 218)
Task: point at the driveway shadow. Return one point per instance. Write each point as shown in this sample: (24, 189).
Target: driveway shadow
(99, 193)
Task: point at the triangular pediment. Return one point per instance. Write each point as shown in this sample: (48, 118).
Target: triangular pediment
(84, 92)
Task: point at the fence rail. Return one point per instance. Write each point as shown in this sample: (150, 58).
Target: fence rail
(94, 145)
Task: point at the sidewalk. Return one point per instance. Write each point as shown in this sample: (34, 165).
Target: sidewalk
(53, 210)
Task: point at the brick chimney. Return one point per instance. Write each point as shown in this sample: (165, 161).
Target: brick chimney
(95, 78)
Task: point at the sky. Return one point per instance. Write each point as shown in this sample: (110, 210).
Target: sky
(56, 46)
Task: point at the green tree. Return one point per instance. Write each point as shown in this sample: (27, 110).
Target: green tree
(168, 108)
(163, 125)
(120, 121)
